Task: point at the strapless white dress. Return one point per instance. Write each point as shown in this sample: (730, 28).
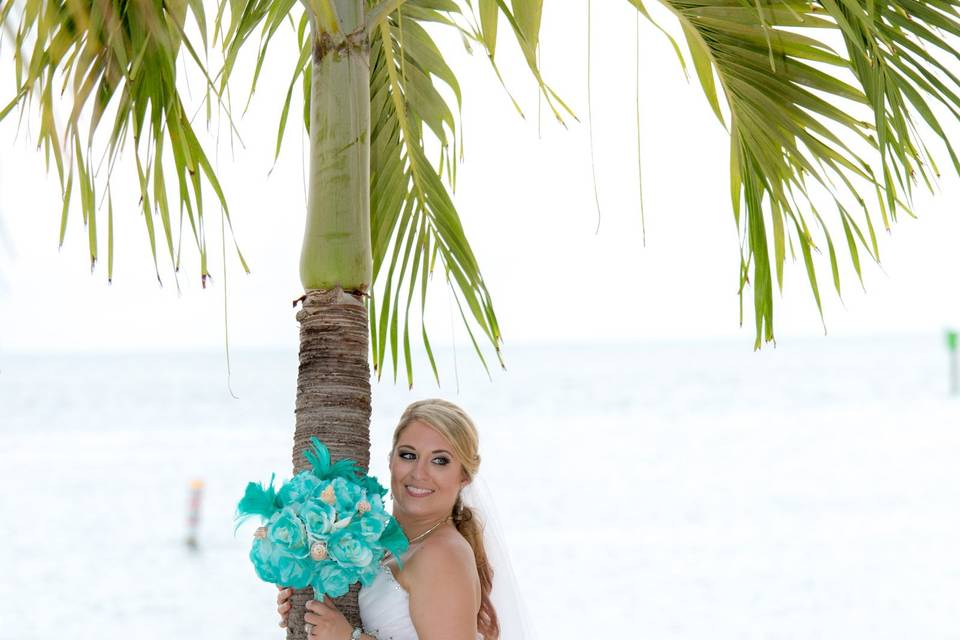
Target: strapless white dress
(385, 609)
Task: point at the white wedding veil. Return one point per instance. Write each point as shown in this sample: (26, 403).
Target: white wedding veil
(505, 594)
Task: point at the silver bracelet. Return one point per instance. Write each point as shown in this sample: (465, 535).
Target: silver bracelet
(357, 632)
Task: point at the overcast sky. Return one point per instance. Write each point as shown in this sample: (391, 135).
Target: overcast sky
(525, 194)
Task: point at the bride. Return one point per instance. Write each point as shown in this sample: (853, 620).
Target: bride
(443, 590)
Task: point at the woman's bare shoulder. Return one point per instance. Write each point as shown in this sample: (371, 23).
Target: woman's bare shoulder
(444, 588)
(443, 573)
(445, 553)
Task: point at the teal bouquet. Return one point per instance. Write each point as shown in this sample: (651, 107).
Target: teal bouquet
(326, 528)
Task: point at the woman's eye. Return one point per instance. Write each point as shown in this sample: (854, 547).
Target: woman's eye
(407, 455)
(441, 460)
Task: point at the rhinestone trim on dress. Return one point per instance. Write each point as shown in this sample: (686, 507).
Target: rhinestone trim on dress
(393, 579)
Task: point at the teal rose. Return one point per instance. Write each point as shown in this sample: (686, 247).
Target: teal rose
(299, 488)
(318, 517)
(274, 563)
(372, 525)
(369, 573)
(262, 555)
(287, 530)
(333, 580)
(347, 494)
(349, 549)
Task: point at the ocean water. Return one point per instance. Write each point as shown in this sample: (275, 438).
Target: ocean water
(682, 491)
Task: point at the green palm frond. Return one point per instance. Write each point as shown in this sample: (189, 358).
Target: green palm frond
(413, 218)
(245, 17)
(414, 221)
(116, 57)
(802, 135)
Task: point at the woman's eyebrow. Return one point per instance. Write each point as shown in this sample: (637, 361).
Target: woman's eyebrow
(410, 446)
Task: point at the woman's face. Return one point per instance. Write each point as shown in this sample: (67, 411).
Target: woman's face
(425, 477)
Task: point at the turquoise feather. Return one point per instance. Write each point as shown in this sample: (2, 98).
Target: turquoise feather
(394, 541)
(372, 486)
(258, 501)
(324, 468)
(319, 459)
(346, 469)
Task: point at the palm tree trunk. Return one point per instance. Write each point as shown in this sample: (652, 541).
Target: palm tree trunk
(333, 400)
(333, 383)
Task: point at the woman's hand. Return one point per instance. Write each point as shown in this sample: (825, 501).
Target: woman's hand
(283, 604)
(325, 622)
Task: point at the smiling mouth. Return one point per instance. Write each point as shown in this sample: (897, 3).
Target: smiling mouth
(417, 492)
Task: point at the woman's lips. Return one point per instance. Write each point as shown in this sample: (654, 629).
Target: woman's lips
(417, 492)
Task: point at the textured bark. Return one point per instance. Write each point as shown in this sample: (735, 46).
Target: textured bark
(333, 400)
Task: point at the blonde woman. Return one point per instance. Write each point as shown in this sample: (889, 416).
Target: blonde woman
(443, 591)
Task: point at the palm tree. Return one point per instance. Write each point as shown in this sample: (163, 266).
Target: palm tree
(824, 101)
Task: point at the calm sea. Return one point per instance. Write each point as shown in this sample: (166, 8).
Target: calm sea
(684, 491)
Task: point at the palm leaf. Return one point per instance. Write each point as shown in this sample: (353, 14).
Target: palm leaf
(410, 201)
(808, 122)
(414, 221)
(119, 57)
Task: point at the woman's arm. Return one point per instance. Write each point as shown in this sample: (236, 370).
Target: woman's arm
(444, 590)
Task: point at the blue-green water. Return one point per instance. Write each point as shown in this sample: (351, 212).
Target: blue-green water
(662, 491)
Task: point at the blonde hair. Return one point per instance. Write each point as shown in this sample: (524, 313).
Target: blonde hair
(455, 425)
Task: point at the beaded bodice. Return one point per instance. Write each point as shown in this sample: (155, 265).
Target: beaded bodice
(385, 608)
